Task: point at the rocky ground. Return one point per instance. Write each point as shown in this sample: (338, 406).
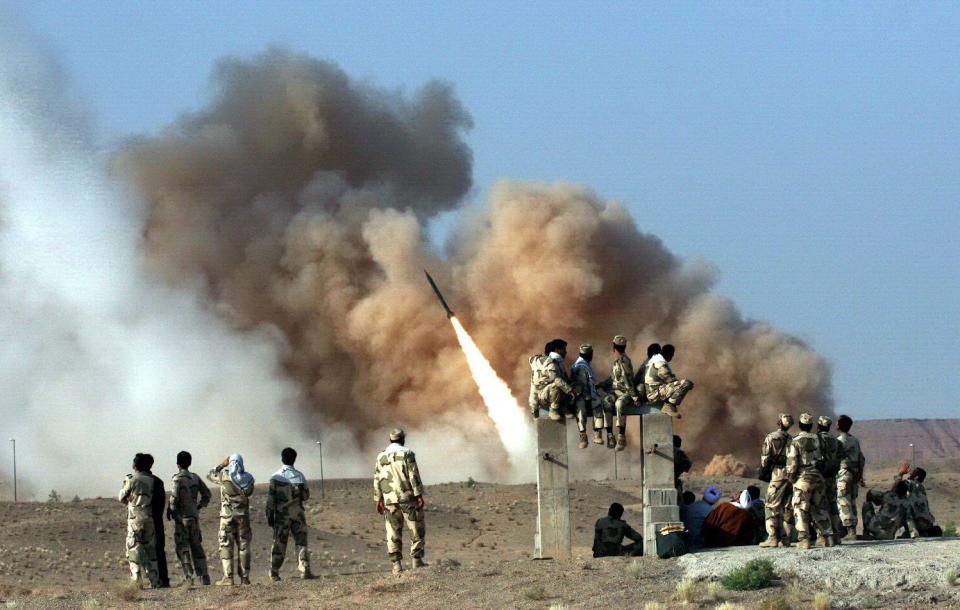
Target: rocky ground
(480, 539)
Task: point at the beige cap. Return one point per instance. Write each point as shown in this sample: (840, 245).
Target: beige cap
(806, 418)
(786, 419)
(586, 348)
(396, 434)
(620, 340)
(824, 421)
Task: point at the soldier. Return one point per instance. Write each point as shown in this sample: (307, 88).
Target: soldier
(288, 491)
(549, 386)
(609, 532)
(917, 493)
(235, 535)
(589, 405)
(398, 491)
(188, 495)
(652, 350)
(662, 386)
(158, 502)
(622, 387)
(832, 457)
(804, 461)
(778, 508)
(895, 513)
(850, 477)
(681, 464)
(137, 494)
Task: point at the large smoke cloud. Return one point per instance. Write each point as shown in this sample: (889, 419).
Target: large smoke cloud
(298, 201)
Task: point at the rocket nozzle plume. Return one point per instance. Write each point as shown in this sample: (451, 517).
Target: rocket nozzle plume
(439, 296)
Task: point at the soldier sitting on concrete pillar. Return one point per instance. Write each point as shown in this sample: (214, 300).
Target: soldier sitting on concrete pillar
(662, 386)
(609, 532)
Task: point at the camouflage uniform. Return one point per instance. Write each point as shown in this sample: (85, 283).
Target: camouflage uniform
(852, 463)
(285, 497)
(188, 495)
(608, 535)
(623, 391)
(397, 484)
(895, 512)
(917, 496)
(832, 457)
(549, 387)
(777, 507)
(662, 386)
(588, 400)
(234, 524)
(137, 494)
(804, 460)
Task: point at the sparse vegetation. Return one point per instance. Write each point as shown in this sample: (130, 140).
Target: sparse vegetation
(780, 602)
(730, 606)
(54, 497)
(634, 568)
(951, 578)
(76, 500)
(716, 592)
(470, 483)
(687, 591)
(950, 529)
(822, 601)
(127, 591)
(558, 607)
(654, 606)
(756, 574)
(536, 594)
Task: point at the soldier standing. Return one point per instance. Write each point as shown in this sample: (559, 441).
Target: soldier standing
(549, 386)
(804, 461)
(398, 491)
(137, 494)
(662, 385)
(624, 390)
(285, 514)
(832, 457)
(589, 405)
(236, 486)
(850, 477)
(188, 495)
(778, 504)
(895, 512)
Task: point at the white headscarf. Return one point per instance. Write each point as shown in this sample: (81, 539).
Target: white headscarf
(290, 475)
(240, 477)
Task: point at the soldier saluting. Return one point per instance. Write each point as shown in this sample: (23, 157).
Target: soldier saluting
(236, 486)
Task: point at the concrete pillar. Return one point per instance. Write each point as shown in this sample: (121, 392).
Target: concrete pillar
(552, 540)
(659, 495)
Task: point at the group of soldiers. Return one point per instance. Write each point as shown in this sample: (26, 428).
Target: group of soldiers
(814, 480)
(579, 394)
(398, 493)
(189, 495)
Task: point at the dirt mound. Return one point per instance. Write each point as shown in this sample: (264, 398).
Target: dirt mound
(726, 465)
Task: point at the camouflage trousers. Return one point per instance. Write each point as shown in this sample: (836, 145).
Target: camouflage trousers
(142, 550)
(189, 544)
(553, 398)
(591, 409)
(672, 392)
(235, 536)
(808, 503)
(847, 490)
(396, 517)
(614, 406)
(778, 509)
(829, 506)
(282, 529)
(873, 526)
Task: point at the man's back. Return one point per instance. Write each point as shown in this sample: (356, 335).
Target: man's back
(397, 477)
(189, 494)
(608, 535)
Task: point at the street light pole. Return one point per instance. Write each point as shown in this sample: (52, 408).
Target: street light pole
(913, 451)
(320, 446)
(14, 442)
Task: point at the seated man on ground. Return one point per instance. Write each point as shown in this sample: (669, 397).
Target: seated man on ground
(885, 513)
(917, 494)
(729, 524)
(609, 532)
(696, 513)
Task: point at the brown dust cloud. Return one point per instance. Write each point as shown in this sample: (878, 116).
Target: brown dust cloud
(297, 203)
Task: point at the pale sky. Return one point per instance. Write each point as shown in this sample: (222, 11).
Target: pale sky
(809, 151)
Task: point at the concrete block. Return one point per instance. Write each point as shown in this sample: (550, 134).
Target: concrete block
(657, 432)
(659, 497)
(552, 539)
(660, 514)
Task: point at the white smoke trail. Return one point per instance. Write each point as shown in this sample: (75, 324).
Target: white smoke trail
(514, 429)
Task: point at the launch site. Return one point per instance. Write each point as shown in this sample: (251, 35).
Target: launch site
(535, 305)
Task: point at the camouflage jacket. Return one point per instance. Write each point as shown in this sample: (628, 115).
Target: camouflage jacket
(852, 460)
(137, 494)
(832, 455)
(774, 453)
(234, 502)
(188, 494)
(894, 512)
(608, 535)
(805, 458)
(397, 477)
(584, 380)
(658, 373)
(545, 372)
(917, 497)
(621, 378)
(285, 498)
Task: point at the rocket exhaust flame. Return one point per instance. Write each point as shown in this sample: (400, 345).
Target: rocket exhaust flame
(514, 429)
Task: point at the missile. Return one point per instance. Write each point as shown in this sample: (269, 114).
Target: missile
(439, 296)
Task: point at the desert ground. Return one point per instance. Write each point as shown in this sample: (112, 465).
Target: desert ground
(479, 545)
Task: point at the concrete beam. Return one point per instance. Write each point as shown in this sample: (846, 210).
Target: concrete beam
(552, 540)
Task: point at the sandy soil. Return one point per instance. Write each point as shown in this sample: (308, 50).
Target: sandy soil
(479, 543)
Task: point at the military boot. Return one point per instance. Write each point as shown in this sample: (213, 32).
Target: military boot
(837, 540)
(671, 410)
(273, 575)
(783, 543)
(555, 414)
(770, 543)
(824, 541)
(611, 442)
(597, 437)
(851, 534)
(205, 579)
(397, 568)
(227, 580)
(621, 441)
(803, 543)
(583, 440)
(418, 562)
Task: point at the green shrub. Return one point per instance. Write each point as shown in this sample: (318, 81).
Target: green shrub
(757, 574)
(950, 529)
(54, 497)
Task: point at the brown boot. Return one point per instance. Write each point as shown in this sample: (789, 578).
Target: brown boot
(597, 437)
(555, 414)
(274, 576)
(671, 410)
(769, 543)
(397, 568)
(583, 440)
(803, 543)
(851, 534)
(621, 442)
(418, 562)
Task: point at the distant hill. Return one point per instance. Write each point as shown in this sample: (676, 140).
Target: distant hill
(888, 440)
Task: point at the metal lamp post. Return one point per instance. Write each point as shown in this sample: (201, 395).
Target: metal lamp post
(320, 447)
(913, 454)
(14, 442)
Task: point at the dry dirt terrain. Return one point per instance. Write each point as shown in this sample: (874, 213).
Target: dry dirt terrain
(479, 543)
